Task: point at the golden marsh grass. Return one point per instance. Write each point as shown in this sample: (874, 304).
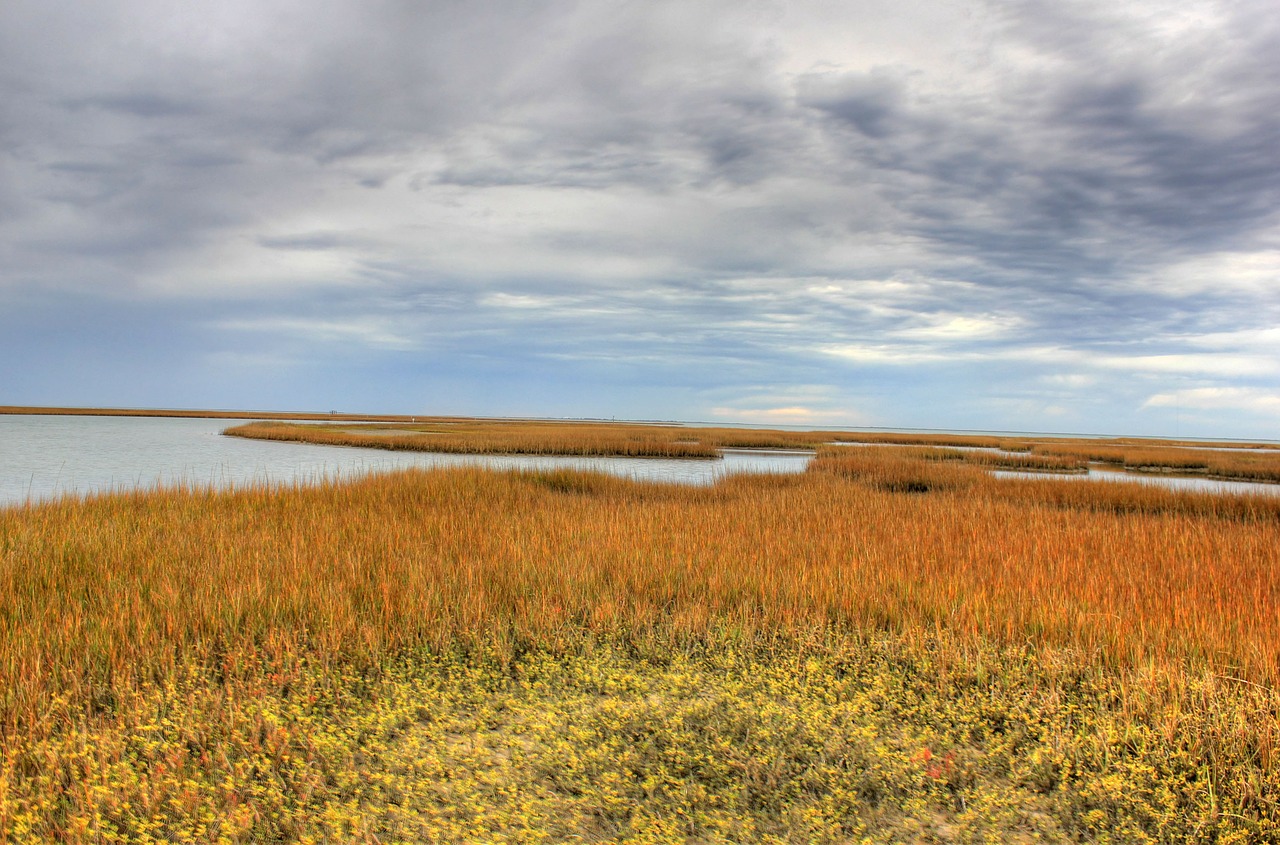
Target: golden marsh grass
(501, 438)
(1241, 465)
(634, 440)
(921, 641)
(496, 437)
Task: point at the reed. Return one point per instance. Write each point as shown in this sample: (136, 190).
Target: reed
(495, 439)
(168, 602)
(96, 590)
(539, 438)
(1006, 460)
(633, 440)
(982, 441)
(1242, 465)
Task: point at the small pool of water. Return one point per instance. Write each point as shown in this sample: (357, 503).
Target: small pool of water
(1099, 472)
(1172, 482)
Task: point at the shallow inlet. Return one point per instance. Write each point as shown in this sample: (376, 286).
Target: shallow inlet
(1103, 472)
(1201, 484)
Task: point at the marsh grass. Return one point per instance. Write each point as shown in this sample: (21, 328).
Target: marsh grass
(1248, 462)
(1242, 465)
(478, 436)
(537, 438)
(889, 438)
(1024, 454)
(494, 438)
(270, 663)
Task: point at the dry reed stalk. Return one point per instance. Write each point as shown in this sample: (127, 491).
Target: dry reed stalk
(1244, 465)
(522, 439)
(122, 586)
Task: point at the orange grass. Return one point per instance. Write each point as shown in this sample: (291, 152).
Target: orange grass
(158, 624)
(1244, 461)
(901, 471)
(495, 438)
(103, 594)
(1023, 462)
(475, 436)
(905, 439)
(1242, 465)
(537, 438)
(1253, 462)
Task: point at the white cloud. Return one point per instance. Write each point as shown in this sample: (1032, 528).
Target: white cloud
(373, 332)
(519, 301)
(1070, 381)
(946, 328)
(1213, 364)
(1220, 399)
(867, 353)
(791, 415)
(1222, 272)
(241, 267)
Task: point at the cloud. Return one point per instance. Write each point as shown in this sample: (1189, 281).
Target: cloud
(1220, 399)
(795, 415)
(1206, 364)
(686, 196)
(369, 331)
(960, 327)
(868, 101)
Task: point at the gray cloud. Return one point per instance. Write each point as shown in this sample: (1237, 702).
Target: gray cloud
(719, 195)
(869, 102)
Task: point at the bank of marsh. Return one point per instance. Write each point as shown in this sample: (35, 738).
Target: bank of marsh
(884, 647)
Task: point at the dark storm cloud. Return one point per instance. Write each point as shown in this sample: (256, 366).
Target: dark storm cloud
(1131, 149)
(1170, 140)
(867, 101)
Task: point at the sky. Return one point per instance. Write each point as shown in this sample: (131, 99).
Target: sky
(1008, 215)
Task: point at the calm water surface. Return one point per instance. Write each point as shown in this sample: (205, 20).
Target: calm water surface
(42, 457)
(1173, 482)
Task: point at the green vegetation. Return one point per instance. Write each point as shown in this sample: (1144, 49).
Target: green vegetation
(878, 738)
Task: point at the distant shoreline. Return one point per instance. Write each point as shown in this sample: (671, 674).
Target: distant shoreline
(224, 414)
(50, 410)
(211, 414)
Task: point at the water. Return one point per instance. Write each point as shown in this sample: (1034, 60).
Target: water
(1099, 472)
(1173, 482)
(42, 457)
